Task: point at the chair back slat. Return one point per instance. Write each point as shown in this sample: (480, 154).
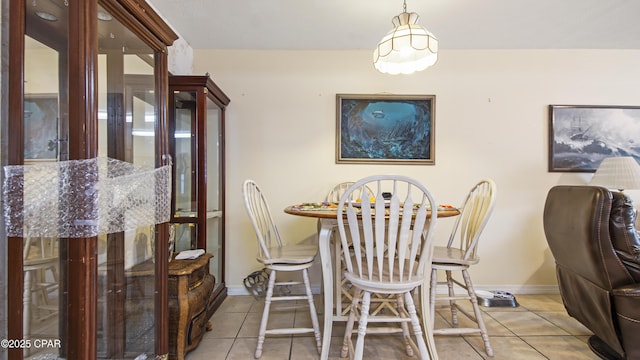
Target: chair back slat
(261, 219)
(420, 222)
(391, 240)
(367, 224)
(404, 237)
(380, 231)
(392, 231)
(352, 217)
(338, 190)
(475, 213)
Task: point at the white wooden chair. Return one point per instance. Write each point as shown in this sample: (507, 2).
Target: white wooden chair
(459, 256)
(342, 290)
(277, 256)
(339, 189)
(390, 254)
(41, 268)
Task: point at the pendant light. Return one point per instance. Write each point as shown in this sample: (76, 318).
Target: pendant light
(407, 48)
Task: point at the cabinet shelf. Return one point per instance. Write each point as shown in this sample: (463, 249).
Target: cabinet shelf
(214, 214)
(192, 214)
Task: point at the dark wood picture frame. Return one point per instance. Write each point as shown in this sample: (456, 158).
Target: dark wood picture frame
(385, 129)
(580, 136)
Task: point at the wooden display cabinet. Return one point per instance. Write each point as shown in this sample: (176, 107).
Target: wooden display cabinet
(98, 72)
(196, 128)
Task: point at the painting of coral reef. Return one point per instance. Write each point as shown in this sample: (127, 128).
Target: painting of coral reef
(391, 129)
(581, 136)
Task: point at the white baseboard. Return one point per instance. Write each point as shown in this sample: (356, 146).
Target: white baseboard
(514, 289)
(521, 289)
(298, 289)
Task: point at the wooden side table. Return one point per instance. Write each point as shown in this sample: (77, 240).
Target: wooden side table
(190, 303)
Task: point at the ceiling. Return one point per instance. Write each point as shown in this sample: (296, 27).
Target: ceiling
(360, 24)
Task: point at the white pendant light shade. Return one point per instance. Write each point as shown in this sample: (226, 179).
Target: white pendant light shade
(407, 48)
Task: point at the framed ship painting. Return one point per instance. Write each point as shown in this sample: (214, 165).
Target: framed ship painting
(580, 136)
(385, 129)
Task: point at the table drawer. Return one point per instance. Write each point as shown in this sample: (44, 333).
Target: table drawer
(197, 276)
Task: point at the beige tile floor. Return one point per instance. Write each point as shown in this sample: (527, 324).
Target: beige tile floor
(537, 329)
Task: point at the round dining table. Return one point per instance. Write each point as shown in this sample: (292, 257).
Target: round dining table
(327, 215)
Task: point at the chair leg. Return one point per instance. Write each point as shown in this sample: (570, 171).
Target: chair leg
(26, 308)
(265, 314)
(349, 328)
(477, 312)
(432, 295)
(452, 302)
(362, 325)
(343, 298)
(405, 328)
(312, 310)
(417, 330)
(337, 271)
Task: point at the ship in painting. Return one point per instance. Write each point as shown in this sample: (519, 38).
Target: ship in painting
(378, 114)
(578, 131)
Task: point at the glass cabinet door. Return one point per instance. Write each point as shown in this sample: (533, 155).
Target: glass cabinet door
(86, 80)
(127, 132)
(43, 131)
(196, 128)
(214, 187)
(185, 190)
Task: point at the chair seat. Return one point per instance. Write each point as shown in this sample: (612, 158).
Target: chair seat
(443, 255)
(389, 286)
(291, 254)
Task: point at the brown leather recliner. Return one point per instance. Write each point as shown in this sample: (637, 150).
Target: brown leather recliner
(591, 234)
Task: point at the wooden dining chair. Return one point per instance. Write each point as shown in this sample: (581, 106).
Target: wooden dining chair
(392, 248)
(339, 189)
(277, 256)
(342, 290)
(41, 264)
(459, 254)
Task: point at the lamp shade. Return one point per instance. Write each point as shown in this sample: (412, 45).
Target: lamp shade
(618, 173)
(407, 48)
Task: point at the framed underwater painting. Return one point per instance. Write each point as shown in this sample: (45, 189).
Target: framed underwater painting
(385, 129)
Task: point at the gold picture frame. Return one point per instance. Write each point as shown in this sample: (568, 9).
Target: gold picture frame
(385, 129)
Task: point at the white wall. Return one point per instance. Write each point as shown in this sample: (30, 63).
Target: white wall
(491, 121)
(180, 58)
(180, 52)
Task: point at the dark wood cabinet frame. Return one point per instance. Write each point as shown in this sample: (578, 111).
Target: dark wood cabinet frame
(206, 88)
(79, 256)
